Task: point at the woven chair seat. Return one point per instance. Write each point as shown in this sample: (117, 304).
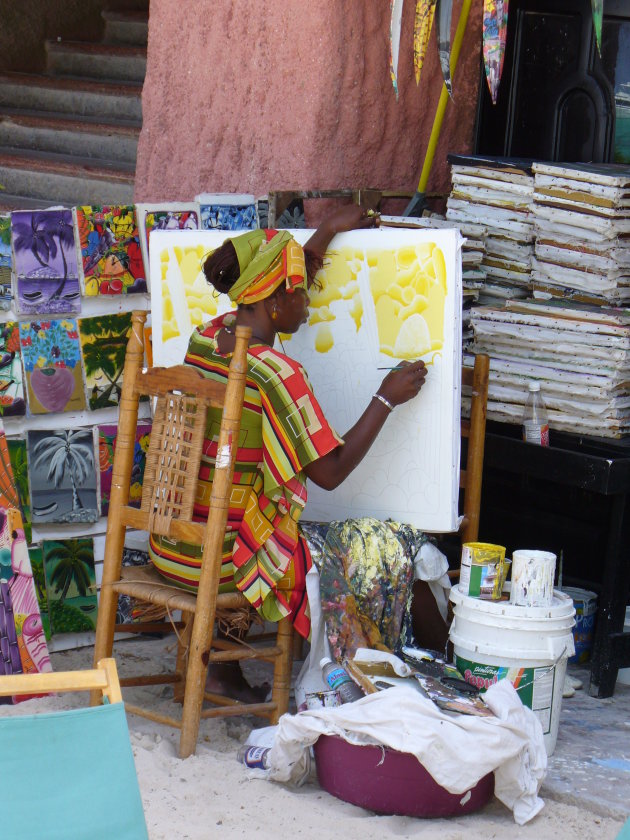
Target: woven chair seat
(146, 584)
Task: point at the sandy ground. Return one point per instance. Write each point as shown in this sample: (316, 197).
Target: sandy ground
(211, 795)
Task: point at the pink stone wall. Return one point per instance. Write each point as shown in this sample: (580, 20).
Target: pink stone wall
(247, 97)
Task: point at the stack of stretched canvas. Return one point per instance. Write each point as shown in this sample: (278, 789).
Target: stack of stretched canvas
(582, 220)
(497, 194)
(579, 354)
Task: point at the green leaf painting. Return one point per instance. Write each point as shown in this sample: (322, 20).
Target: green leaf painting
(70, 584)
(103, 343)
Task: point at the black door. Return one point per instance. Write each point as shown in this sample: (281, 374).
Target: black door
(558, 99)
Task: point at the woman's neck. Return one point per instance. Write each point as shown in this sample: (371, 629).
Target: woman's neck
(261, 332)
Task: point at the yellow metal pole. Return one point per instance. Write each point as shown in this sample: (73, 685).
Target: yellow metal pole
(441, 108)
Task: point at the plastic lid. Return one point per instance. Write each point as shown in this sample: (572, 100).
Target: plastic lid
(534, 386)
(324, 661)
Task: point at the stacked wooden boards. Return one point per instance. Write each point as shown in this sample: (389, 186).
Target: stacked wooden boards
(580, 354)
(498, 194)
(582, 225)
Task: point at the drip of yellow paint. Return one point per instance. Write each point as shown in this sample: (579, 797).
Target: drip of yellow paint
(324, 339)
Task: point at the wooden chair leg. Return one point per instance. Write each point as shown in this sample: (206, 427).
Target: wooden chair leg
(181, 661)
(282, 670)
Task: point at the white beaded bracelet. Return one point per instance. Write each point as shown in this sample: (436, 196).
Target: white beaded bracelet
(385, 401)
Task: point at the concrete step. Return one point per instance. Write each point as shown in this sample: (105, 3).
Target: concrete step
(112, 62)
(105, 100)
(62, 179)
(126, 27)
(9, 202)
(66, 135)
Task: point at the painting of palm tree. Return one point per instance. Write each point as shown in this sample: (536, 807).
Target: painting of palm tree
(6, 294)
(45, 261)
(62, 472)
(36, 556)
(19, 465)
(103, 344)
(70, 584)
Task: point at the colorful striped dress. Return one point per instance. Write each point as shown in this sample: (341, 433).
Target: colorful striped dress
(283, 429)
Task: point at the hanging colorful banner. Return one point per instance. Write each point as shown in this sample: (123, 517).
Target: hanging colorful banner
(597, 7)
(444, 14)
(394, 41)
(425, 12)
(495, 16)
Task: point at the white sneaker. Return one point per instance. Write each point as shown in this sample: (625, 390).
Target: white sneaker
(567, 689)
(574, 682)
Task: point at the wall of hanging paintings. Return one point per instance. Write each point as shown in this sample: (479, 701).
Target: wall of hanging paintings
(69, 278)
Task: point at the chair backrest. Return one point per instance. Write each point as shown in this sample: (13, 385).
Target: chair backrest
(72, 772)
(182, 397)
(474, 430)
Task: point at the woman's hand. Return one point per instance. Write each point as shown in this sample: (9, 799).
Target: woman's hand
(404, 382)
(351, 217)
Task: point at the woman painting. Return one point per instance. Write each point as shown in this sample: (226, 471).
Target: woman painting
(285, 437)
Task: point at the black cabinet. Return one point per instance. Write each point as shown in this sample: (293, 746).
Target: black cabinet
(572, 497)
(559, 99)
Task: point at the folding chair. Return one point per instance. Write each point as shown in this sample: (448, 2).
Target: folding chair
(170, 483)
(69, 775)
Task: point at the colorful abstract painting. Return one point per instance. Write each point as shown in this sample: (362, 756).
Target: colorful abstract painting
(62, 475)
(425, 12)
(106, 449)
(19, 465)
(495, 17)
(6, 295)
(224, 211)
(70, 585)
(36, 556)
(110, 251)
(103, 345)
(171, 216)
(45, 261)
(12, 401)
(51, 355)
(16, 571)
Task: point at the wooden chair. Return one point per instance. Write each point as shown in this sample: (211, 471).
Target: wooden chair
(170, 481)
(96, 793)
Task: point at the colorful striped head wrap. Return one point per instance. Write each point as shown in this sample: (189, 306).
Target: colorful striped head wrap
(267, 258)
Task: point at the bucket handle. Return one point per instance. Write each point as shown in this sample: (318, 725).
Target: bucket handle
(543, 671)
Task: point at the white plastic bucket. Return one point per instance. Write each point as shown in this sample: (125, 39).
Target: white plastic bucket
(585, 603)
(528, 645)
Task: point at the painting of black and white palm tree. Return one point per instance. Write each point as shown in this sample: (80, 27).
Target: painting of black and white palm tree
(62, 473)
(45, 261)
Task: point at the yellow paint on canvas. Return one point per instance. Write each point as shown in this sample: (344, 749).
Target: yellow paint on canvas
(409, 287)
(181, 269)
(338, 282)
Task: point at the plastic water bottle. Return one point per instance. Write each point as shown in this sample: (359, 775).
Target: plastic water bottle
(535, 420)
(255, 757)
(340, 681)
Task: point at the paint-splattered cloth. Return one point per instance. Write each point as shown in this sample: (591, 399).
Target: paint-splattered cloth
(283, 429)
(366, 573)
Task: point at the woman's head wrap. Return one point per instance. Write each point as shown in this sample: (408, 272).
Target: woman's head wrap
(267, 258)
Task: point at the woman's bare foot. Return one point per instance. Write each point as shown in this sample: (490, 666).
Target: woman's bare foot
(227, 680)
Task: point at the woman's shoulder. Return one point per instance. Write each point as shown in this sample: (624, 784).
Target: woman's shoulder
(277, 361)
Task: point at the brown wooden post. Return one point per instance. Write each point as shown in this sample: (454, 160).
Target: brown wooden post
(121, 477)
(201, 638)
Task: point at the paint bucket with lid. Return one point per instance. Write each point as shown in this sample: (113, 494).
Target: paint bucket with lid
(533, 573)
(585, 603)
(530, 646)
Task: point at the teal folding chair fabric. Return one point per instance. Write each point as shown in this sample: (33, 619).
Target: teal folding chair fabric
(624, 834)
(69, 775)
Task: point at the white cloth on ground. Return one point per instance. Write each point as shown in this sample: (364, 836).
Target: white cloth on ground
(457, 750)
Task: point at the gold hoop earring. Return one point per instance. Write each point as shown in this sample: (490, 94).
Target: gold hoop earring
(274, 313)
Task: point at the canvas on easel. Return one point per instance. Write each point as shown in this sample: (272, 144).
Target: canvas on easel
(387, 296)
